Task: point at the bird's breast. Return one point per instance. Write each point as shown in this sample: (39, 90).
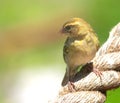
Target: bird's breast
(79, 52)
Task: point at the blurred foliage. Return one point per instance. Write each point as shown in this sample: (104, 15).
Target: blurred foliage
(28, 46)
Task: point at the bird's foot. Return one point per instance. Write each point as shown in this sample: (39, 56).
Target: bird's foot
(97, 72)
(71, 87)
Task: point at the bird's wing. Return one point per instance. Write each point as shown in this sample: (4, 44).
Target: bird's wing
(66, 49)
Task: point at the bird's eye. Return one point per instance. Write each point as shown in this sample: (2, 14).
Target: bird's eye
(67, 27)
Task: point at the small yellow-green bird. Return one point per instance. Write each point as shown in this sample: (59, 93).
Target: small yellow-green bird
(80, 46)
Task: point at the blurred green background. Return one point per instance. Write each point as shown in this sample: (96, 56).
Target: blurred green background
(30, 39)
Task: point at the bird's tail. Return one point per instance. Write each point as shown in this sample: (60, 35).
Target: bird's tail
(69, 75)
(65, 79)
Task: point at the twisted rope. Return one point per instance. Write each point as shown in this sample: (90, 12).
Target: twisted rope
(91, 88)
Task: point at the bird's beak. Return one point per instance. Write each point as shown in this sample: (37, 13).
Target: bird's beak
(63, 31)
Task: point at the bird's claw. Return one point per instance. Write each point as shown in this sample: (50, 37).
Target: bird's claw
(71, 87)
(97, 72)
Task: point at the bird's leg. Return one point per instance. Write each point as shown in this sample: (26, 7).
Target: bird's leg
(71, 86)
(95, 70)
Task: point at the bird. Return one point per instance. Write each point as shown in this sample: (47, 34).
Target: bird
(79, 48)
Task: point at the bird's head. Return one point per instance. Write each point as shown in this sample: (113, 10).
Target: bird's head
(76, 27)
